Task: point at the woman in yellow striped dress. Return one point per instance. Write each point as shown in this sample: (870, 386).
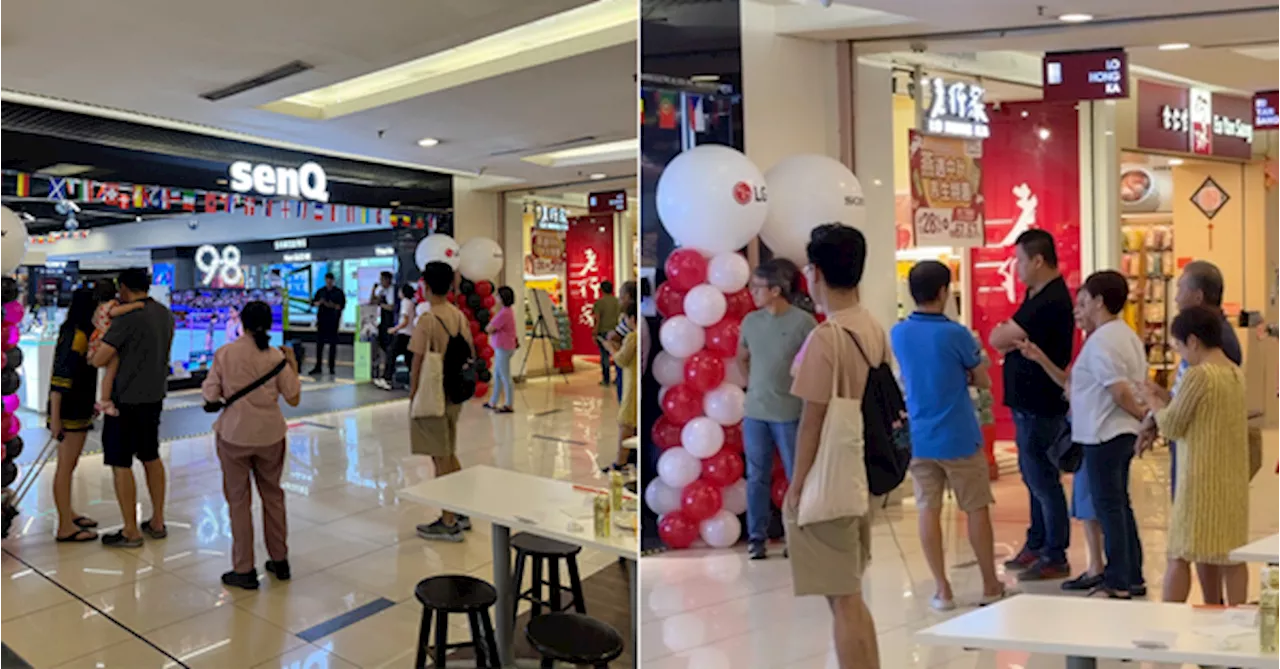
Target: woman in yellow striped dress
(1208, 418)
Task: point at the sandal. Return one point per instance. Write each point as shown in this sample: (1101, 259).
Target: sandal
(85, 522)
(78, 537)
(152, 532)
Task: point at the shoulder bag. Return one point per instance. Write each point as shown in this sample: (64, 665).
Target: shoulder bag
(219, 405)
(428, 402)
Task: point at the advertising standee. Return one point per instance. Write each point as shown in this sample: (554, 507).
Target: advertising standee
(946, 191)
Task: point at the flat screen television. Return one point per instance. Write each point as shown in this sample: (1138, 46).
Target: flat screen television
(207, 318)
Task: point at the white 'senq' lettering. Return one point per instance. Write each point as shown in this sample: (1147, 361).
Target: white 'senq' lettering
(307, 181)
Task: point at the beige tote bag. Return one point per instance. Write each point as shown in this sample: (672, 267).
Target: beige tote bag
(836, 486)
(429, 402)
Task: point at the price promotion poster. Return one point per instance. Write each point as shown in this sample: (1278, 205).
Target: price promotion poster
(946, 191)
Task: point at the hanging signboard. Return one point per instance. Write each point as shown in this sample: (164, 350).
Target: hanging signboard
(607, 202)
(946, 191)
(1265, 114)
(589, 251)
(957, 109)
(1194, 120)
(1086, 75)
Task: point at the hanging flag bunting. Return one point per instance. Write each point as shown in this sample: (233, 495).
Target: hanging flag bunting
(250, 206)
(189, 200)
(24, 184)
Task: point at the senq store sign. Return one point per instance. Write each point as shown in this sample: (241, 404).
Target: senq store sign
(307, 181)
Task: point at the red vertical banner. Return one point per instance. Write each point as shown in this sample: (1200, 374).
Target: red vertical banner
(589, 251)
(1031, 179)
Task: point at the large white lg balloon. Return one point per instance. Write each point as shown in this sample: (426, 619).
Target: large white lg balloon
(481, 259)
(662, 498)
(14, 239)
(725, 404)
(729, 272)
(678, 468)
(721, 530)
(437, 248)
(681, 337)
(806, 191)
(702, 437)
(668, 370)
(712, 198)
(705, 305)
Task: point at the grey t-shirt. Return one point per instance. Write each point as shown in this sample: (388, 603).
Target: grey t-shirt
(141, 339)
(772, 343)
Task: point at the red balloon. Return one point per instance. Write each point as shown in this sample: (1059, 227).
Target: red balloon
(669, 300)
(778, 491)
(722, 339)
(779, 471)
(700, 500)
(704, 370)
(487, 301)
(484, 289)
(733, 438)
(485, 352)
(723, 468)
(686, 268)
(676, 530)
(11, 426)
(665, 433)
(738, 305)
(682, 404)
(475, 329)
(480, 340)
(482, 389)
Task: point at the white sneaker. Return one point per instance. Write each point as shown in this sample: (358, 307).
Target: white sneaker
(939, 604)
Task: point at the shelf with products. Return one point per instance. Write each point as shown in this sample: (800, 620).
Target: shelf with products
(1147, 262)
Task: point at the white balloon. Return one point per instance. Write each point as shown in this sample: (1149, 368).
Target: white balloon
(15, 240)
(734, 497)
(662, 498)
(705, 305)
(668, 370)
(681, 337)
(711, 198)
(721, 530)
(729, 272)
(734, 373)
(437, 248)
(702, 437)
(481, 259)
(678, 468)
(662, 392)
(806, 191)
(725, 404)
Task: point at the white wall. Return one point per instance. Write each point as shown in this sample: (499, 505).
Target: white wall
(475, 213)
(873, 163)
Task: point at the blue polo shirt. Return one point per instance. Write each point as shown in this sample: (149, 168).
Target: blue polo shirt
(934, 356)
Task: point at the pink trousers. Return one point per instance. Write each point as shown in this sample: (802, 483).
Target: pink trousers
(264, 464)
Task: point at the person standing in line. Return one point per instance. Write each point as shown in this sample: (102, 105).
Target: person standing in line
(1045, 319)
(605, 314)
(329, 301)
(108, 308)
(1106, 416)
(142, 340)
(398, 337)
(437, 436)
(250, 433)
(627, 298)
(71, 410)
(830, 558)
(385, 298)
(939, 360)
(626, 354)
(770, 338)
(502, 337)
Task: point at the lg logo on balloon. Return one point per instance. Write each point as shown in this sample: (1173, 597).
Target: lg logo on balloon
(853, 201)
(744, 194)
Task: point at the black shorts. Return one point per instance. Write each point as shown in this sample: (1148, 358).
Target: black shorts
(133, 433)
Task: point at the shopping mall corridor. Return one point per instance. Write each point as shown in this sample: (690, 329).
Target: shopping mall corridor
(718, 610)
(353, 549)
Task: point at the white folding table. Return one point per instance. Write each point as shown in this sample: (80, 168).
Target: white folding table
(1265, 550)
(525, 503)
(1088, 629)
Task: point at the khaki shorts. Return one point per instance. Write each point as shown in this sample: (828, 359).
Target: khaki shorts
(436, 436)
(968, 477)
(828, 558)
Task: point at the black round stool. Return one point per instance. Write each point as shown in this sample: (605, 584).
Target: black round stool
(443, 595)
(546, 554)
(573, 638)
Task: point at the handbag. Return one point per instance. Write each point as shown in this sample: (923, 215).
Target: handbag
(836, 486)
(428, 402)
(219, 405)
(1064, 453)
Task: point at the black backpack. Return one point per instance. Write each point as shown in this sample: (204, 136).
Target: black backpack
(885, 429)
(460, 369)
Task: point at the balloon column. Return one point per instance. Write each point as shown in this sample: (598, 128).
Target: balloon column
(14, 248)
(479, 262)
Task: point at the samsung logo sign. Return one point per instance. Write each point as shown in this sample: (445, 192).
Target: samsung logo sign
(308, 181)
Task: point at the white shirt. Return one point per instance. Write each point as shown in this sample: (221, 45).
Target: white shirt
(407, 314)
(1113, 353)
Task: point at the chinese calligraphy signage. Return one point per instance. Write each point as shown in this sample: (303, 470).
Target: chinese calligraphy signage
(1194, 120)
(946, 191)
(589, 251)
(1086, 75)
(958, 109)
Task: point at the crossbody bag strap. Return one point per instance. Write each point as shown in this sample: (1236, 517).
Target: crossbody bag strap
(256, 384)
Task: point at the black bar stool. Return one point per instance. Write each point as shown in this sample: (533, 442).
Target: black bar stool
(573, 638)
(443, 595)
(546, 554)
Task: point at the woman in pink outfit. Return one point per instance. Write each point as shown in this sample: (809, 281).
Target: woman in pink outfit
(502, 337)
(251, 439)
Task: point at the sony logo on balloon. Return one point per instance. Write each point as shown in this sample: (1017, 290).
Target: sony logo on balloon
(307, 181)
(853, 201)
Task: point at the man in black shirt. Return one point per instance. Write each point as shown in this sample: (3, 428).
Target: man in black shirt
(330, 301)
(1039, 408)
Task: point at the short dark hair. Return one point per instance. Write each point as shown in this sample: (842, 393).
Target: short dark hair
(839, 252)
(104, 290)
(507, 296)
(927, 280)
(778, 274)
(1204, 323)
(1039, 243)
(630, 308)
(1206, 278)
(406, 290)
(606, 287)
(1111, 286)
(329, 275)
(385, 274)
(136, 279)
(439, 277)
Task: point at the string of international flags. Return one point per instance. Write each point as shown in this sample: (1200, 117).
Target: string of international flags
(191, 200)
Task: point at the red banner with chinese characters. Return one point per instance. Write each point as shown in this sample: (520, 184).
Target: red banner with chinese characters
(589, 248)
(1031, 179)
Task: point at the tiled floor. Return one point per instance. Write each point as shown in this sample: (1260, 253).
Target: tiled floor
(717, 610)
(352, 542)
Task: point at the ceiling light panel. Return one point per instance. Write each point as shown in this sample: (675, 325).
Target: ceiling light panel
(592, 27)
(608, 152)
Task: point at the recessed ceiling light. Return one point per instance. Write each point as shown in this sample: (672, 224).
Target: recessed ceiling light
(1174, 46)
(220, 182)
(598, 176)
(394, 203)
(1174, 162)
(1075, 17)
(1044, 133)
(427, 142)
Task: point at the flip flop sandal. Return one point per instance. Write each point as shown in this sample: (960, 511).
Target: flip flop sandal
(85, 522)
(150, 531)
(78, 537)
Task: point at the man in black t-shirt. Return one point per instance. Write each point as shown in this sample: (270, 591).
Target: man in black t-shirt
(1039, 408)
(329, 300)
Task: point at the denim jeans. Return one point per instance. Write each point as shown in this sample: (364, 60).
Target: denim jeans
(502, 377)
(605, 363)
(759, 439)
(1108, 470)
(1050, 530)
(617, 380)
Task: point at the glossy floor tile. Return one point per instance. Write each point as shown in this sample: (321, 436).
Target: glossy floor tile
(351, 542)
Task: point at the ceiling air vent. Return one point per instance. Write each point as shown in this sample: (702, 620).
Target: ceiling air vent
(271, 76)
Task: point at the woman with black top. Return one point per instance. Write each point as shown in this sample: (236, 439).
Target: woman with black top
(72, 393)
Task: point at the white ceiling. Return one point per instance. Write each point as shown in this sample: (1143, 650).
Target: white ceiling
(156, 58)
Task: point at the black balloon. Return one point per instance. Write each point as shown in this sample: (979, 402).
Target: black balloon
(474, 301)
(467, 287)
(13, 358)
(482, 316)
(482, 364)
(484, 375)
(13, 448)
(9, 382)
(10, 472)
(9, 291)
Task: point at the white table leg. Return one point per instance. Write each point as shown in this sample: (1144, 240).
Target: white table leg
(1081, 663)
(634, 568)
(505, 612)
